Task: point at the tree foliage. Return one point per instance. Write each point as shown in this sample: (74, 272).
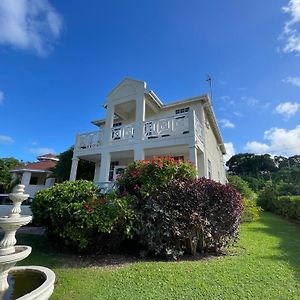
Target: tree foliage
(62, 169)
(7, 164)
(249, 164)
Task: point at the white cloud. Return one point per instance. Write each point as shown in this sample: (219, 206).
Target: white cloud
(251, 101)
(287, 109)
(1, 97)
(292, 80)
(257, 147)
(238, 114)
(280, 141)
(290, 34)
(29, 25)
(41, 150)
(226, 123)
(230, 151)
(6, 140)
(227, 100)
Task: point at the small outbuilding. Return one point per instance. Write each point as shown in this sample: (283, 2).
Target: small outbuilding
(36, 176)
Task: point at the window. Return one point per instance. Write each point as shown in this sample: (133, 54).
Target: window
(33, 180)
(179, 158)
(182, 110)
(209, 169)
(111, 169)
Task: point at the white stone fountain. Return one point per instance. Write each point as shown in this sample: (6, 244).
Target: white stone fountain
(10, 254)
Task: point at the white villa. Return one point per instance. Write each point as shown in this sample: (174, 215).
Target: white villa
(139, 126)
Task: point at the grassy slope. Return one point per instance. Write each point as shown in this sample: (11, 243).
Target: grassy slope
(264, 265)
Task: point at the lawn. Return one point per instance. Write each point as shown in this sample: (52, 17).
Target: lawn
(265, 264)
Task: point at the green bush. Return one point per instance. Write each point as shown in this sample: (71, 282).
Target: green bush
(73, 214)
(145, 176)
(251, 211)
(268, 196)
(242, 187)
(190, 215)
(288, 207)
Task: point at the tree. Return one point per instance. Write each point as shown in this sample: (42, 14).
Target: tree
(249, 164)
(62, 169)
(7, 164)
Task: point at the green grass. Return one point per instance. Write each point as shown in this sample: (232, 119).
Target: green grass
(265, 264)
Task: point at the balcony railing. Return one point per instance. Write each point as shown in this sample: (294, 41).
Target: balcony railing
(89, 140)
(152, 129)
(170, 126)
(125, 132)
(198, 129)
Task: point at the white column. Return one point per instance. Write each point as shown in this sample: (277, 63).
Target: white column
(109, 121)
(104, 167)
(73, 173)
(97, 171)
(139, 117)
(193, 157)
(203, 172)
(26, 178)
(139, 153)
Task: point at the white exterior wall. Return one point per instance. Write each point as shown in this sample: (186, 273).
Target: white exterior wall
(42, 183)
(214, 154)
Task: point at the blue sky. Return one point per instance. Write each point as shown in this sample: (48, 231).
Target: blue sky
(59, 60)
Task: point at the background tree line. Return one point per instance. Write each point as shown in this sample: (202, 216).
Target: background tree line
(284, 172)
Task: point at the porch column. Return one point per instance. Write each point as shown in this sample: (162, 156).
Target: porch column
(104, 167)
(97, 171)
(203, 172)
(193, 157)
(139, 154)
(74, 166)
(139, 117)
(26, 178)
(109, 121)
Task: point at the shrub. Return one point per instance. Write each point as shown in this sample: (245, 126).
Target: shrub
(288, 207)
(190, 215)
(144, 177)
(268, 196)
(73, 214)
(242, 187)
(251, 211)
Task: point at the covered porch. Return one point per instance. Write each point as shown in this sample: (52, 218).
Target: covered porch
(108, 165)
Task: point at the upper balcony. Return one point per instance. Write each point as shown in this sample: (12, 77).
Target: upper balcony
(158, 129)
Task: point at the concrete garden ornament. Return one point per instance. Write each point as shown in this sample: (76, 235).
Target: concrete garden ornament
(22, 283)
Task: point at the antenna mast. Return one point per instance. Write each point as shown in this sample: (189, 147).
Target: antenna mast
(209, 80)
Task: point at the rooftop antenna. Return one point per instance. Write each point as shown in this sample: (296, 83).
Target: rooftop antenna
(209, 80)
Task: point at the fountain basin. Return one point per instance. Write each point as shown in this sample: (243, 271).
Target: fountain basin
(29, 283)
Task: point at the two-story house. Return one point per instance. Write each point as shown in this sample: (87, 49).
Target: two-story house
(139, 126)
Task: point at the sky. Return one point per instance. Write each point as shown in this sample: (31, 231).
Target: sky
(59, 59)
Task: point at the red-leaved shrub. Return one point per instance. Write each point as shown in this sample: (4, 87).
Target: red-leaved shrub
(189, 216)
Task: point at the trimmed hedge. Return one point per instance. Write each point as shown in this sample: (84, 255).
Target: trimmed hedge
(75, 216)
(286, 206)
(189, 216)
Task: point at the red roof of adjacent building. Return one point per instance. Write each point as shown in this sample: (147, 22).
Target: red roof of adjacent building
(48, 155)
(41, 165)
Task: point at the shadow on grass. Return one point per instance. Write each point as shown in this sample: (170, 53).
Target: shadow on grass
(46, 254)
(288, 235)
